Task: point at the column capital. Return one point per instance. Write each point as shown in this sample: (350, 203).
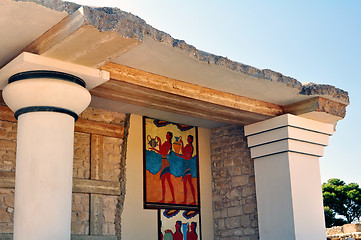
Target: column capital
(288, 133)
(46, 91)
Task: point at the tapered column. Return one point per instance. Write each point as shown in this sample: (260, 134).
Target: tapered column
(46, 104)
(285, 150)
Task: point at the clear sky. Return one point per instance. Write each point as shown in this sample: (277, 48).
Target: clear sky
(312, 41)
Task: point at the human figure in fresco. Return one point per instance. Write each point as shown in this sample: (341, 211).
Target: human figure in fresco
(178, 235)
(191, 231)
(187, 152)
(164, 149)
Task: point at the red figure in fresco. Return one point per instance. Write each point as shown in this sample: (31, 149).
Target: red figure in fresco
(178, 234)
(191, 233)
(164, 149)
(187, 152)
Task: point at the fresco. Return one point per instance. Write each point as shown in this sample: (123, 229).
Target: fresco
(170, 165)
(178, 225)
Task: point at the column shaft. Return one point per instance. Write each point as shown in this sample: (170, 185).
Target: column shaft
(46, 104)
(44, 167)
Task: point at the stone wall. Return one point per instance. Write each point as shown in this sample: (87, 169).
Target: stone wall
(98, 173)
(345, 232)
(234, 194)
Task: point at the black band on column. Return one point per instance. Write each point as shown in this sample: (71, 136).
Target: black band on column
(47, 74)
(45, 109)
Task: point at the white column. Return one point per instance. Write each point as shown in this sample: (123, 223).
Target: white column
(46, 104)
(285, 150)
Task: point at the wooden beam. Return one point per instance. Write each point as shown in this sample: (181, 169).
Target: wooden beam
(7, 180)
(82, 125)
(99, 128)
(155, 99)
(317, 104)
(57, 33)
(192, 91)
(96, 158)
(96, 187)
(96, 219)
(74, 40)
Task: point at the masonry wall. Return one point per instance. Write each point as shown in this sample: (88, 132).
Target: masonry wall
(107, 178)
(98, 174)
(234, 193)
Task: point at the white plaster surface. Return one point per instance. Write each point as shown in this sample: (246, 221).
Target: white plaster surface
(46, 92)
(162, 59)
(287, 132)
(24, 19)
(43, 184)
(289, 120)
(274, 198)
(307, 197)
(44, 156)
(139, 223)
(288, 184)
(28, 62)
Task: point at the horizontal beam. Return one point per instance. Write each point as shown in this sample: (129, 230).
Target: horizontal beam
(82, 125)
(154, 99)
(99, 128)
(317, 104)
(96, 186)
(74, 40)
(184, 89)
(145, 89)
(7, 180)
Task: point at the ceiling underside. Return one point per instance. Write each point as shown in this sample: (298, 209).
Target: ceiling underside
(94, 37)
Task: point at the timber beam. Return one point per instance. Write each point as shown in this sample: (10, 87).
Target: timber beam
(7, 180)
(145, 89)
(76, 40)
(134, 86)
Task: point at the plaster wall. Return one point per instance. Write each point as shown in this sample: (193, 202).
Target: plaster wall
(266, 195)
(302, 189)
(139, 223)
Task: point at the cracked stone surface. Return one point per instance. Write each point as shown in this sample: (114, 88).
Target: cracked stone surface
(130, 26)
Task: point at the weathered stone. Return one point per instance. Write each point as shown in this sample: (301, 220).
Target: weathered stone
(245, 221)
(221, 224)
(234, 211)
(233, 222)
(249, 208)
(248, 191)
(235, 201)
(226, 233)
(239, 180)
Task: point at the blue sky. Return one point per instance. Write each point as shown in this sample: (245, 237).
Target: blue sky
(312, 41)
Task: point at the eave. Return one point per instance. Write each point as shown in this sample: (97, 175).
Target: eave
(153, 74)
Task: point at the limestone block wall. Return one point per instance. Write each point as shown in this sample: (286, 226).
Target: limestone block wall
(345, 232)
(234, 193)
(98, 173)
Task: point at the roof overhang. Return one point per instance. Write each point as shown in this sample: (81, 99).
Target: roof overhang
(153, 74)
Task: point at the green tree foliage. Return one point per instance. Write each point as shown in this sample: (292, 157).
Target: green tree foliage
(330, 218)
(341, 199)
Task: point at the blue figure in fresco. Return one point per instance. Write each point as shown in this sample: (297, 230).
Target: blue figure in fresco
(164, 149)
(187, 152)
